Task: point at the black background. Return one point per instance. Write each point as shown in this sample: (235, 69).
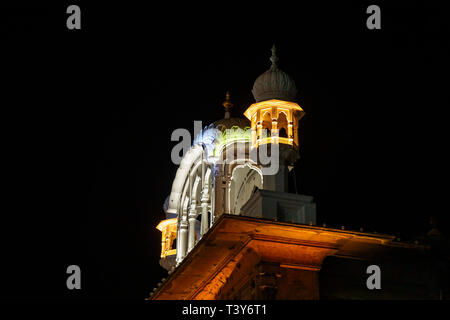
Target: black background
(87, 117)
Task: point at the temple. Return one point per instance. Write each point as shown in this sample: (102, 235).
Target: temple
(234, 229)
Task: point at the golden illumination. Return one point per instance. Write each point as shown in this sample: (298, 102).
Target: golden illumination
(275, 140)
(168, 229)
(279, 117)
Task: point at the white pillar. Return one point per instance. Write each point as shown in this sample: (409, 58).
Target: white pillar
(181, 249)
(204, 201)
(226, 207)
(178, 258)
(205, 204)
(192, 222)
(274, 132)
(212, 199)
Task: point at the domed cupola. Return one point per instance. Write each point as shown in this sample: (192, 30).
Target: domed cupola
(275, 115)
(274, 84)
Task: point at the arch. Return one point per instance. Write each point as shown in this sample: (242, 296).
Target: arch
(267, 123)
(282, 125)
(184, 206)
(190, 159)
(208, 176)
(184, 197)
(189, 175)
(244, 179)
(249, 163)
(236, 151)
(197, 186)
(197, 190)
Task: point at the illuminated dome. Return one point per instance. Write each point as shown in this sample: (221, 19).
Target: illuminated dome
(274, 83)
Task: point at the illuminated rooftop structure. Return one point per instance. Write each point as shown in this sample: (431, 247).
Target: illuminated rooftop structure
(219, 176)
(240, 234)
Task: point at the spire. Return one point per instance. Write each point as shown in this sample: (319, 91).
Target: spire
(274, 58)
(228, 105)
(274, 83)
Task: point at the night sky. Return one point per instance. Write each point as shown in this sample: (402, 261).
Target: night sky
(87, 118)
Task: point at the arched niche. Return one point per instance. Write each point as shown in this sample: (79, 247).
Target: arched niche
(282, 125)
(245, 178)
(267, 124)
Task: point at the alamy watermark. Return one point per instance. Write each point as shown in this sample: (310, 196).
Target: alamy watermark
(374, 20)
(74, 280)
(374, 280)
(74, 20)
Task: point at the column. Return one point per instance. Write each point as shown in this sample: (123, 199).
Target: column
(274, 131)
(227, 193)
(163, 242)
(205, 205)
(290, 132)
(213, 204)
(182, 244)
(253, 131)
(258, 127)
(192, 221)
(204, 199)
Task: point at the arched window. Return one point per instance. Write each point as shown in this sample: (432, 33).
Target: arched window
(245, 179)
(267, 124)
(174, 243)
(282, 125)
(282, 133)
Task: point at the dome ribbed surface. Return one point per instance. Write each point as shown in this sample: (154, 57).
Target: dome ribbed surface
(274, 84)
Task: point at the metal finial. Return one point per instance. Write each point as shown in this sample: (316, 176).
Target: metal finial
(274, 57)
(227, 104)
